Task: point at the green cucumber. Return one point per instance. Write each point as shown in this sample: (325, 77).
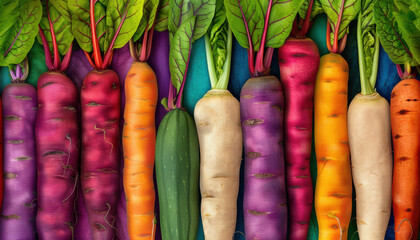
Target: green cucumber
(177, 173)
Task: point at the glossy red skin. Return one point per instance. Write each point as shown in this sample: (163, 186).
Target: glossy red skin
(57, 143)
(299, 61)
(19, 202)
(100, 164)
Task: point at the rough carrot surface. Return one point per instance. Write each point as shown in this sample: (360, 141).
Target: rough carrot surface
(100, 165)
(405, 119)
(333, 193)
(139, 137)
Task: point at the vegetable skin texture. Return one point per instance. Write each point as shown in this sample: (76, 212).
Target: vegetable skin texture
(139, 137)
(264, 182)
(100, 165)
(405, 117)
(19, 208)
(298, 61)
(177, 170)
(333, 191)
(369, 129)
(219, 132)
(57, 143)
(1, 155)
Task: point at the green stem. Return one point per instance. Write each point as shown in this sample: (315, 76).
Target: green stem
(224, 78)
(364, 81)
(375, 64)
(210, 62)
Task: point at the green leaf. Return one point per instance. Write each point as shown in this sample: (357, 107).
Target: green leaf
(218, 37)
(7, 17)
(79, 10)
(62, 7)
(415, 7)
(62, 28)
(125, 12)
(219, 18)
(280, 23)
(409, 32)
(368, 34)
(183, 10)
(390, 34)
(16, 42)
(333, 7)
(149, 16)
(161, 23)
(316, 9)
(180, 50)
(243, 15)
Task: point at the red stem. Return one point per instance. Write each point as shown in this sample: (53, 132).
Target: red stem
(259, 63)
(171, 96)
(150, 41)
(143, 52)
(268, 57)
(328, 37)
(337, 27)
(66, 59)
(342, 43)
(57, 62)
(89, 58)
(305, 26)
(47, 52)
(108, 54)
(95, 42)
(251, 65)
(399, 70)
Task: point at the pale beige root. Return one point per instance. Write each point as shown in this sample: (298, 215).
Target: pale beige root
(369, 129)
(217, 117)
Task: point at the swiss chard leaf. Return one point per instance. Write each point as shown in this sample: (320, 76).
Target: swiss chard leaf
(7, 18)
(409, 32)
(246, 19)
(62, 28)
(79, 10)
(333, 7)
(180, 51)
(282, 16)
(161, 23)
(316, 9)
(182, 11)
(149, 16)
(18, 39)
(390, 34)
(62, 7)
(129, 12)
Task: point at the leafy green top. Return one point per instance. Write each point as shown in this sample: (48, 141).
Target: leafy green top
(340, 13)
(154, 17)
(19, 20)
(368, 47)
(398, 29)
(218, 42)
(188, 21)
(260, 24)
(102, 25)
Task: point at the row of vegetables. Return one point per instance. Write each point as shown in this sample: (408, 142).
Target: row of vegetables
(79, 159)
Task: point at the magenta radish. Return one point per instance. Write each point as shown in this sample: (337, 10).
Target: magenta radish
(100, 105)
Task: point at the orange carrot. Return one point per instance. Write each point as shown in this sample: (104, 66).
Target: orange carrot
(405, 120)
(139, 136)
(333, 193)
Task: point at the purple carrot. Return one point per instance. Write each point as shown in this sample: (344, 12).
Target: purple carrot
(265, 210)
(19, 205)
(299, 60)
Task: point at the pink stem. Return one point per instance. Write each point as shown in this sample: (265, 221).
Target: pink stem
(399, 70)
(268, 57)
(48, 59)
(57, 62)
(66, 61)
(133, 50)
(337, 27)
(305, 26)
(259, 64)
